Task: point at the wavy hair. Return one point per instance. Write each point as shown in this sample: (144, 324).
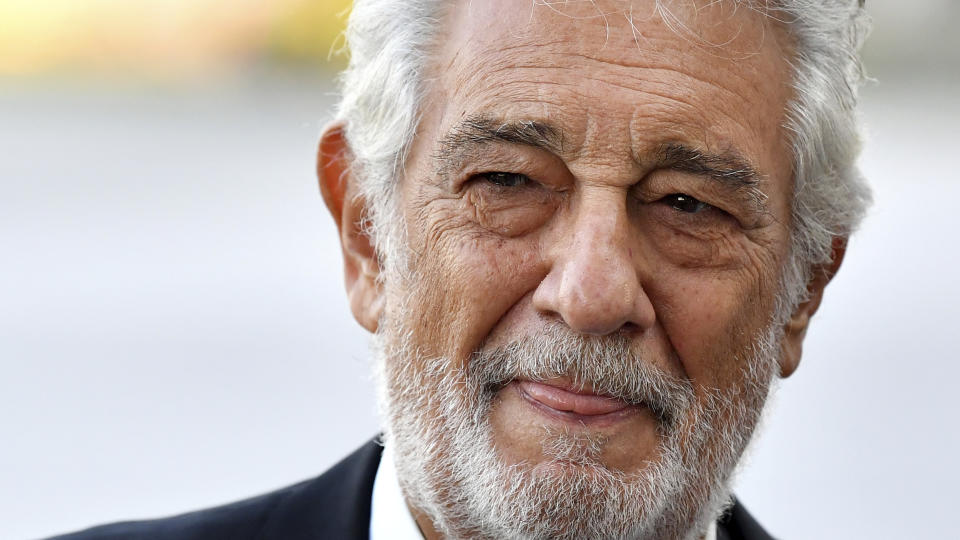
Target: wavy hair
(391, 42)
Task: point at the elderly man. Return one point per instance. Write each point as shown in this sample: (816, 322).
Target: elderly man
(587, 238)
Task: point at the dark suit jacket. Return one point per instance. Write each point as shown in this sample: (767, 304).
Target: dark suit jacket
(334, 505)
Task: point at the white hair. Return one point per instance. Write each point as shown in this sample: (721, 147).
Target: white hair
(383, 87)
(390, 43)
(830, 196)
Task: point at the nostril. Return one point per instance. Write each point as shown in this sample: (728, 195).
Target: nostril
(629, 328)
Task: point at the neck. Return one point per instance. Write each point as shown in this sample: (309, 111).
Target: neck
(425, 525)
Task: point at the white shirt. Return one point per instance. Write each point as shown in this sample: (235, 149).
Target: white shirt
(711, 531)
(390, 518)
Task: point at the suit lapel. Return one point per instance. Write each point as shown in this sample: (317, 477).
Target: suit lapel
(334, 505)
(737, 524)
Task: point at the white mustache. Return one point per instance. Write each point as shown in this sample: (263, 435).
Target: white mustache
(604, 364)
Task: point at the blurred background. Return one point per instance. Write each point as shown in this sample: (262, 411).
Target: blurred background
(173, 328)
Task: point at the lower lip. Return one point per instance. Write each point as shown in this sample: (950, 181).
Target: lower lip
(573, 407)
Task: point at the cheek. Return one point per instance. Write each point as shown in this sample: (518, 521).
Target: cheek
(468, 279)
(711, 318)
(711, 240)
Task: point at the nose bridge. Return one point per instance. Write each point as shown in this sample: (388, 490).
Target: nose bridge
(600, 227)
(594, 284)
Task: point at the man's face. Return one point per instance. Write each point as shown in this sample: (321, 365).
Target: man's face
(585, 178)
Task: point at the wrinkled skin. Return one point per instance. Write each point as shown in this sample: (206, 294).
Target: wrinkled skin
(599, 233)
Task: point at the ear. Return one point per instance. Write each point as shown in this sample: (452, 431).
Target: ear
(796, 328)
(342, 195)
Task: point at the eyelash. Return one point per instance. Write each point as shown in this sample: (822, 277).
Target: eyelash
(682, 202)
(505, 179)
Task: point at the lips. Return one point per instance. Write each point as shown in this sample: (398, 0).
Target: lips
(562, 397)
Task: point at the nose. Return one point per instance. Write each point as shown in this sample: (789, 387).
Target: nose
(593, 283)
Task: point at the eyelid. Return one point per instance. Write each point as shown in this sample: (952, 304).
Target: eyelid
(546, 171)
(489, 174)
(529, 181)
(701, 204)
(664, 182)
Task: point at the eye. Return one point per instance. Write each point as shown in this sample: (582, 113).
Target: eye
(506, 179)
(685, 203)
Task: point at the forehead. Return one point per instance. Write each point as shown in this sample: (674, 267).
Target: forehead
(618, 72)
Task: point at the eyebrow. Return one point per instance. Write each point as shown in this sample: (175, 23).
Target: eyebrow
(476, 131)
(729, 168)
(480, 129)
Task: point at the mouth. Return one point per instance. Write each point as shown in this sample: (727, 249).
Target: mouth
(560, 400)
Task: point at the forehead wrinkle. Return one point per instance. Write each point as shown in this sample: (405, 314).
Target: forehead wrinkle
(667, 116)
(653, 79)
(500, 64)
(659, 40)
(533, 47)
(482, 59)
(665, 113)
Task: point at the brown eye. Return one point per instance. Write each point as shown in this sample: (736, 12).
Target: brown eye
(685, 203)
(506, 179)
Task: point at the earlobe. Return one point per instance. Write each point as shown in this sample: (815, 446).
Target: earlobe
(796, 328)
(342, 195)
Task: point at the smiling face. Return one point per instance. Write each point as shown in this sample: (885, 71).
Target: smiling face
(596, 210)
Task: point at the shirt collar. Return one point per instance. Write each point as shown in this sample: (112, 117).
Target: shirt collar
(711, 531)
(389, 516)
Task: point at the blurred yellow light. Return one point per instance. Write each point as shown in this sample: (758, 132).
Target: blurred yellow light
(311, 30)
(161, 36)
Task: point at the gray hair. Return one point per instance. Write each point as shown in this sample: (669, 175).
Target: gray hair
(384, 85)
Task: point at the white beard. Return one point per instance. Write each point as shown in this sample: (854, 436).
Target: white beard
(437, 421)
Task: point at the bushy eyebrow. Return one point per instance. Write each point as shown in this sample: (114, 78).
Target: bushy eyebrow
(730, 169)
(479, 129)
(468, 136)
